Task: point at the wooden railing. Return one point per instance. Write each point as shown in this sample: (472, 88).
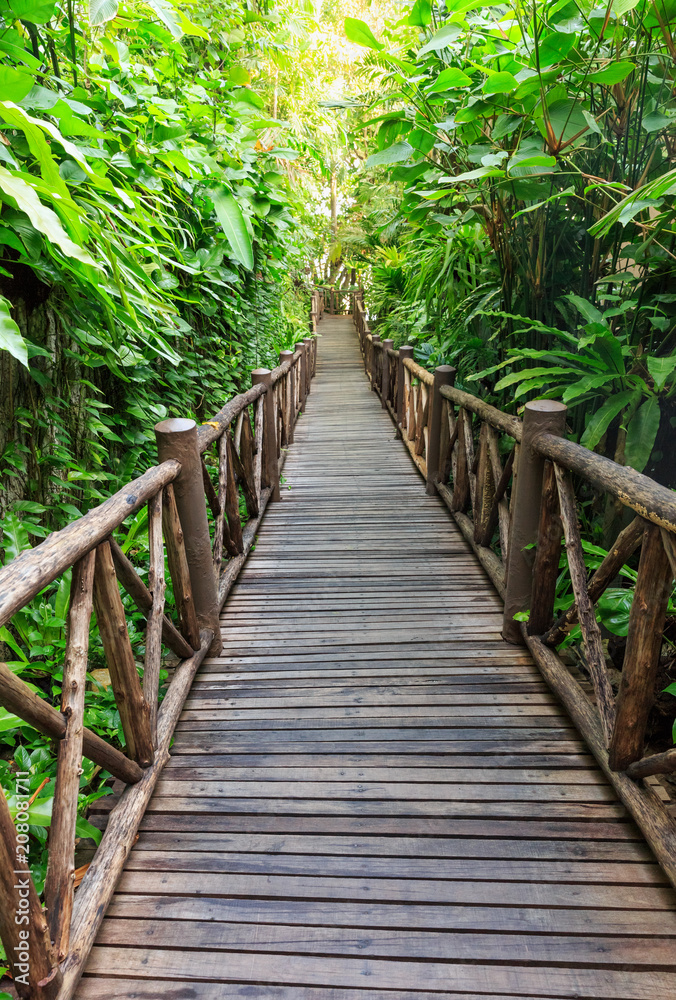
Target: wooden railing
(317, 308)
(509, 486)
(195, 524)
(338, 301)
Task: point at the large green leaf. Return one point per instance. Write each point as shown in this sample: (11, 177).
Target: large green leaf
(36, 11)
(500, 83)
(585, 385)
(42, 217)
(554, 47)
(10, 334)
(529, 373)
(393, 154)
(660, 369)
(231, 219)
(614, 607)
(641, 434)
(567, 121)
(39, 812)
(615, 73)
(359, 32)
(441, 39)
(15, 538)
(15, 84)
(602, 419)
(448, 79)
(101, 11)
(84, 828)
(421, 14)
(167, 15)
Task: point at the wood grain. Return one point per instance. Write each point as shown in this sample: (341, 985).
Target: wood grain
(370, 794)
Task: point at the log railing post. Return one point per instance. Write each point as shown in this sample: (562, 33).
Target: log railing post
(301, 376)
(542, 415)
(308, 341)
(642, 653)
(61, 864)
(177, 439)
(289, 396)
(443, 375)
(374, 366)
(385, 377)
(547, 553)
(124, 679)
(23, 925)
(269, 442)
(404, 352)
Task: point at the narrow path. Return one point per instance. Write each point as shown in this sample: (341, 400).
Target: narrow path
(371, 795)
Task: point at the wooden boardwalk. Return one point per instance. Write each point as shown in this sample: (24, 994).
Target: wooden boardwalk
(371, 795)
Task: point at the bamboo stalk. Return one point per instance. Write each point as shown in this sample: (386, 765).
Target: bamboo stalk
(61, 863)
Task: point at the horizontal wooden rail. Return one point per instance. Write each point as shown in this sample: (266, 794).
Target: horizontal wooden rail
(653, 502)
(17, 697)
(196, 530)
(210, 431)
(34, 569)
(507, 483)
(504, 422)
(419, 372)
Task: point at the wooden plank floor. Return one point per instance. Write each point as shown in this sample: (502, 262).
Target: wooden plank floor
(370, 794)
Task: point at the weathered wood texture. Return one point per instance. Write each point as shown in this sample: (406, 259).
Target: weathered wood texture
(17, 697)
(370, 794)
(35, 568)
(61, 867)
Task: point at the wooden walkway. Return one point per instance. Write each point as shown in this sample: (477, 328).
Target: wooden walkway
(372, 795)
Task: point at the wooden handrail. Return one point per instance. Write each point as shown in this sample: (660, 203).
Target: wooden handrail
(652, 501)
(419, 372)
(213, 428)
(35, 568)
(180, 495)
(470, 452)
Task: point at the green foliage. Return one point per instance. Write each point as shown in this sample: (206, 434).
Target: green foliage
(530, 240)
(528, 152)
(153, 251)
(143, 223)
